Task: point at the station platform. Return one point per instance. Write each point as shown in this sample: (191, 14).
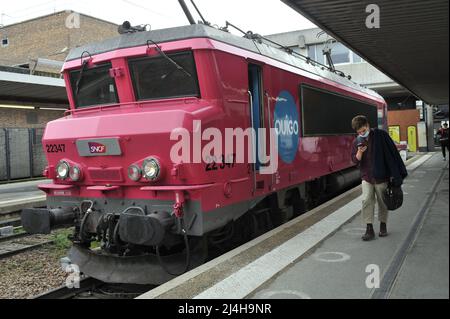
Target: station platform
(320, 254)
(18, 195)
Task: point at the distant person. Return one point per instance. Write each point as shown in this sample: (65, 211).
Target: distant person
(379, 162)
(443, 139)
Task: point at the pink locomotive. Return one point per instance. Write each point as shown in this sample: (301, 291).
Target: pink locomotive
(125, 165)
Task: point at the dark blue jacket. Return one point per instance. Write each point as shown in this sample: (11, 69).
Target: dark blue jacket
(387, 163)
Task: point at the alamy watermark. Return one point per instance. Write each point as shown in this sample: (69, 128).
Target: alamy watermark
(229, 149)
(73, 277)
(73, 20)
(373, 279)
(373, 19)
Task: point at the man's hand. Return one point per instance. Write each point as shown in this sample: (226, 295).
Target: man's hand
(361, 150)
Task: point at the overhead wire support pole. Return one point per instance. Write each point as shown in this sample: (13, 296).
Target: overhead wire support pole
(187, 12)
(200, 14)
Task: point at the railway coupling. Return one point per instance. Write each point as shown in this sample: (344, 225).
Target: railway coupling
(133, 225)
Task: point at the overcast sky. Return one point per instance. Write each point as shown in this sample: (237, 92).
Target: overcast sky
(263, 16)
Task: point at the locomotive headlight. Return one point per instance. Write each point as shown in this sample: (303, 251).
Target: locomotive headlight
(151, 169)
(134, 172)
(75, 173)
(62, 170)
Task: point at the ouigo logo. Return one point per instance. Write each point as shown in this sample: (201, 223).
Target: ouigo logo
(96, 148)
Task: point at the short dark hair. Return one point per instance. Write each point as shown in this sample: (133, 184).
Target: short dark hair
(445, 124)
(359, 121)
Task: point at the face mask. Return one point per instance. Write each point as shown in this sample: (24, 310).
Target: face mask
(366, 134)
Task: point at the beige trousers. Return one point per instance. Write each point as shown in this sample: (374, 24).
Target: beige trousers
(368, 204)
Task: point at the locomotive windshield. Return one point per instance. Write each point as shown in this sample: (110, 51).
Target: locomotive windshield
(159, 78)
(93, 86)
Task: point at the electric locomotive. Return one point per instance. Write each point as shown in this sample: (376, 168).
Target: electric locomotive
(133, 165)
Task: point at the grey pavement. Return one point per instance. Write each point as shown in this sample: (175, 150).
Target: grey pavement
(19, 195)
(344, 266)
(425, 271)
(19, 190)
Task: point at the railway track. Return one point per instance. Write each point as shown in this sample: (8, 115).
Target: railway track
(14, 236)
(90, 288)
(64, 292)
(18, 243)
(15, 222)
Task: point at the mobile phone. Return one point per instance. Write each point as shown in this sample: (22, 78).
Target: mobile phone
(362, 143)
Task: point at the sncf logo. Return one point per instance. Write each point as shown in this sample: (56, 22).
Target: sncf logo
(96, 148)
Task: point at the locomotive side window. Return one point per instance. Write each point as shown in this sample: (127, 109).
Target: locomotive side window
(93, 86)
(329, 113)
(159, 77)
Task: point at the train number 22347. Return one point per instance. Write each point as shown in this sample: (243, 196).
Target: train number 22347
(56, 148)
(213, 164)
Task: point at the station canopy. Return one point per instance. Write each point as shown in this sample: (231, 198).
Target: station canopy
(410, 45)
(22, 88)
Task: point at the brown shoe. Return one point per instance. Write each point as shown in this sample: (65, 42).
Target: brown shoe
(383, 230)
(370, 234)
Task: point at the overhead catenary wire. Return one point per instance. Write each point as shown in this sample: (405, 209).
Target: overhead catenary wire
(30, 7)
(255, 36)
(44, 10)
(146, 8)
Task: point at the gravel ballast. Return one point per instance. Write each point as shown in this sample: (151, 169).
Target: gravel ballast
(31, 273)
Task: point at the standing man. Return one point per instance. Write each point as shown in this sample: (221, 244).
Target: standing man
(443, 138)
(379, 162)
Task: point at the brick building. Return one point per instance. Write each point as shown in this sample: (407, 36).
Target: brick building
(50, 37)
(39, 46)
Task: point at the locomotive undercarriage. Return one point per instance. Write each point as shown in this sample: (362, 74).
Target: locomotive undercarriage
(141, 241)
(133, 241)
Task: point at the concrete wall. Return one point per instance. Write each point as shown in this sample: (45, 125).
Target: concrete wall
(294, 38)
(24, 118)
(365, 74)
